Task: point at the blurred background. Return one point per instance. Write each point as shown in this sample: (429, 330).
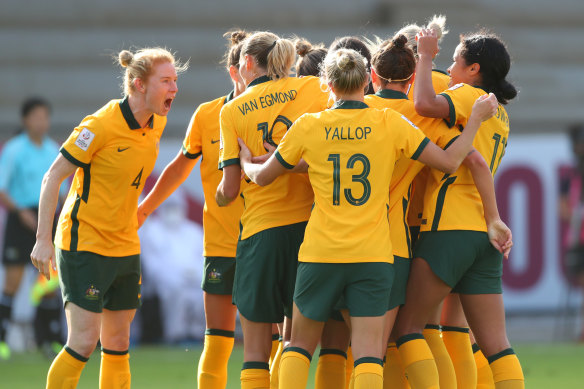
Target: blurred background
(62, 50)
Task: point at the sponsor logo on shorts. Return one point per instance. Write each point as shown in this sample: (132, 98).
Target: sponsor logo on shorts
(92, 293)
(215, 277)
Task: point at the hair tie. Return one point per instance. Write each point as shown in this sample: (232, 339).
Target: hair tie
(390, 80)
(271, 47)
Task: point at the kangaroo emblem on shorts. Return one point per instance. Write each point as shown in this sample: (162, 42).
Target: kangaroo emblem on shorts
(215, 276)
(92, 293)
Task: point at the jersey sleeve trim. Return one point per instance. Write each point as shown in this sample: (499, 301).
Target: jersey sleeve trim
(282, 161)
(450, 142)
(190, 155)
(228, 162)
(72, 159)
(451, 111)
(420, 148)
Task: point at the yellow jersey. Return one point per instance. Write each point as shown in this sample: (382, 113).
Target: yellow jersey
(115, 156)
(406, 169)
(220, 224)
(440, 82)
(452, 202)
(351, 151)
(265, 112)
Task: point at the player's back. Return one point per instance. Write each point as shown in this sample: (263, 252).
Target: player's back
(264, 113)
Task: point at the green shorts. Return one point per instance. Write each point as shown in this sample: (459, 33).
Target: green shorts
(95, 282)
(363, 287)
(219, 274)
(401, 266)
(465, 260)
(266, 272)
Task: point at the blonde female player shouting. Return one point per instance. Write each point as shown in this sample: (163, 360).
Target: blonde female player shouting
(274, 218)
(453, 251)
(111, 152)
(220, 225)
(350, 151)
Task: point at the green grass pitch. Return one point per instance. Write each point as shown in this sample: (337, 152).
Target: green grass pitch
(545, 366)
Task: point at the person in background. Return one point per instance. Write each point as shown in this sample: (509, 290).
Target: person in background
(571, 209)
(172, 262)
(23, 162)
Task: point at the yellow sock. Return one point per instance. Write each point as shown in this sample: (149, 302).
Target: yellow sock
(294, 367)
(212, 371)
(368, 373)
(418, 361)
(275, 366)
(441, 357)
(255, 375)
(330, 370)
(65, 370)
(349, 368)
(394, 376)
(484, 373)
(506, 369)
(457, 342)
(114, 372)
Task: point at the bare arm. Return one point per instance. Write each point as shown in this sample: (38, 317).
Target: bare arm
(174, 174)
(450, 159)
(426, 102)
(228, 188)
(260, 174)
(499, 234)
(301, 166)
(43, 251)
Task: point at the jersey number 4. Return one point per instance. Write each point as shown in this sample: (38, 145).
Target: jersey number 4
(138, 180)
(360, 178)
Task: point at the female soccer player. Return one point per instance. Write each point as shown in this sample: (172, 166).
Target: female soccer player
(274, 218)
(453, 212)
(391, 71)
(309, 58)
(111, 152)
(350, 151)
(357, 44)
(220, 225)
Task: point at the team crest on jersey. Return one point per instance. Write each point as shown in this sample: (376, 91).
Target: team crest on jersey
(215, 276)
(409, 121)
(92, 293)
(456, 86)
(84, 139)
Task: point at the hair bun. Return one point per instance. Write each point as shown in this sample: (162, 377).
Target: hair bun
(303, 47)
(438, 25)
(237, 36)
(399, 42)
(344, 61)
(125, 58)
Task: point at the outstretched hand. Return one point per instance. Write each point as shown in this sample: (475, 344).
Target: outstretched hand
(427, 42)
(500, 237)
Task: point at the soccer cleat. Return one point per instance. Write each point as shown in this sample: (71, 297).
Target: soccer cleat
(5, 352)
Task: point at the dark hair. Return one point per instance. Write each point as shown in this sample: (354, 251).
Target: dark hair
(354, 43)
(31, 103)
(310, 58)
(394, 61)
(235, 40)
(491, 54)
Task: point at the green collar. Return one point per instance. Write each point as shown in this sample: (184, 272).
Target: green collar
(259, 80)
(129, 116)
(229, 97)
(391, 94)
(349, 104)
(480, 87)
